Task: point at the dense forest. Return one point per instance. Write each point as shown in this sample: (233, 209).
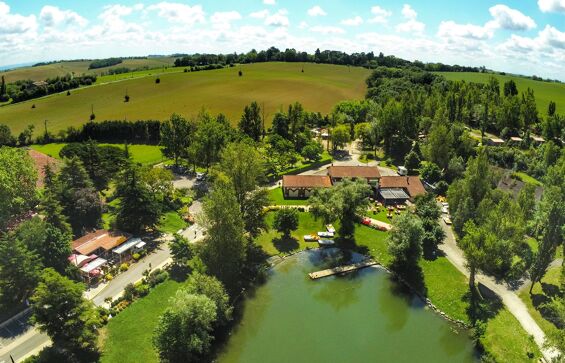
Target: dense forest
(27, 89)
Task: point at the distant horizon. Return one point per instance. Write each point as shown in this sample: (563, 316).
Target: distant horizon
(11, 67)
(518, 37)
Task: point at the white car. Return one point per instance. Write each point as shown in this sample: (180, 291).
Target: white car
(325, 234)
(447, 220)
(445, 210)
(326, 242)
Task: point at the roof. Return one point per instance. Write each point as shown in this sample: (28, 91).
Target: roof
(93, 265)
(538, 138)
(496, 140)
(127, 246)
(412, 184)
(514, 138)
(306, 181)
(394, 193)
(369, 172)
(99, 239)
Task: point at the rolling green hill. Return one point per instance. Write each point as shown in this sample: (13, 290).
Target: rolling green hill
(544, 91)
(275, 85)
(41, 73)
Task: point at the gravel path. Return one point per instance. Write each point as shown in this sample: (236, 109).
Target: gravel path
(509, 297)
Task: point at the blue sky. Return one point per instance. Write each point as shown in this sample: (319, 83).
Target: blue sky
(526, 36)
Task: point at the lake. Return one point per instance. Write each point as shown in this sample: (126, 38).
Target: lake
(361, 317)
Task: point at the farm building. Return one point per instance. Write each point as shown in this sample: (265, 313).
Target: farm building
(369, 173)
(302, 186)
(538, 139)
(399, 189)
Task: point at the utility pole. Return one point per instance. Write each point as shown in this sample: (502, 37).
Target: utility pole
(45, 125)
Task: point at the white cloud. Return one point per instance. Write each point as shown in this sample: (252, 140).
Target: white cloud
(355, 21)
(316, 11)
(261, 14)
(411, 25)
(15, 23)
(327, 29)
(552, 37)
(408, 12)
(450, 29)
(380, 15)
(555, 6)
(278, 19)
(269, 2)
(303, 25)
(511, 19)
(52, 16)
(222, 20)
(179, 13)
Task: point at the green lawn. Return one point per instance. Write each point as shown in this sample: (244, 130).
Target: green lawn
(143, 154)
(544, 91)
(277, 198)
(507, 341)
(127, 337)
(271, 84)
(526, 178)
(171, 222)
(540, 293)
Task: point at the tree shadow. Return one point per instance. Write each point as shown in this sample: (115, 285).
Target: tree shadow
(286, 244)
(432, 253)
(414, 277)
(484, 304)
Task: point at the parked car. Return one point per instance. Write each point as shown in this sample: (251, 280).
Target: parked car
(447, 220)
(326, 242)
(445, 210)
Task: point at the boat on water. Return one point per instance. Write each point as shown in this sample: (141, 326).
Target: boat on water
(326, 242)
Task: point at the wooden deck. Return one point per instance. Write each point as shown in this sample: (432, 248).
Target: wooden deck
(340, 269)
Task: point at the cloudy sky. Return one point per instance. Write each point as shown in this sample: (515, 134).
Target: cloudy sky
(525, 36)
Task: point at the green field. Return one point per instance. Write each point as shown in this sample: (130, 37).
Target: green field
(143, 154)
(544, 91)
(41, 73)
(274, 85)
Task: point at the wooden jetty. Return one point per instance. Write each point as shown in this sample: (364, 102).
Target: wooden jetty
(341, 269)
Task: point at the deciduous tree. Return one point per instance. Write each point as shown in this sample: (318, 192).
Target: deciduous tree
(286, 220)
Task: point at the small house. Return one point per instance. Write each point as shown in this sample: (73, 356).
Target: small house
(538, 139)
(302, 186)
(100, 242)
(494, 141)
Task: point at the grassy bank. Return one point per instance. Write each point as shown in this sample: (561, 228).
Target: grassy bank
(127, 337)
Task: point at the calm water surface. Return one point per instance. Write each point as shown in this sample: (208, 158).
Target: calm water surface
(363, 317)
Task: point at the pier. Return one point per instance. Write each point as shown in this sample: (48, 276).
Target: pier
(341, 269)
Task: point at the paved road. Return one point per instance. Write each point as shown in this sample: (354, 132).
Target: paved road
(509, 297)
(28, 340)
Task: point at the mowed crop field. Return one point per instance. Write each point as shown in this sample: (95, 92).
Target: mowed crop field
(274, 85)
(41, 73)
(544, 91)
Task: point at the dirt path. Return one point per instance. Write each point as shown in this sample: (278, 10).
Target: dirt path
(509, 297)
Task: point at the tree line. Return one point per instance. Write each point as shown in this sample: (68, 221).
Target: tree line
(273, 54)
(23, 90)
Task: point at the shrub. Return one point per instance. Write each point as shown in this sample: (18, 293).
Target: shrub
(124, 267)
(33, 106)
(136, 256)
(109, 277)
(240, 73)
(126, 98)
(142, 290)
(68, 93)
(129, 292)
(158, 80)
(157, 277)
